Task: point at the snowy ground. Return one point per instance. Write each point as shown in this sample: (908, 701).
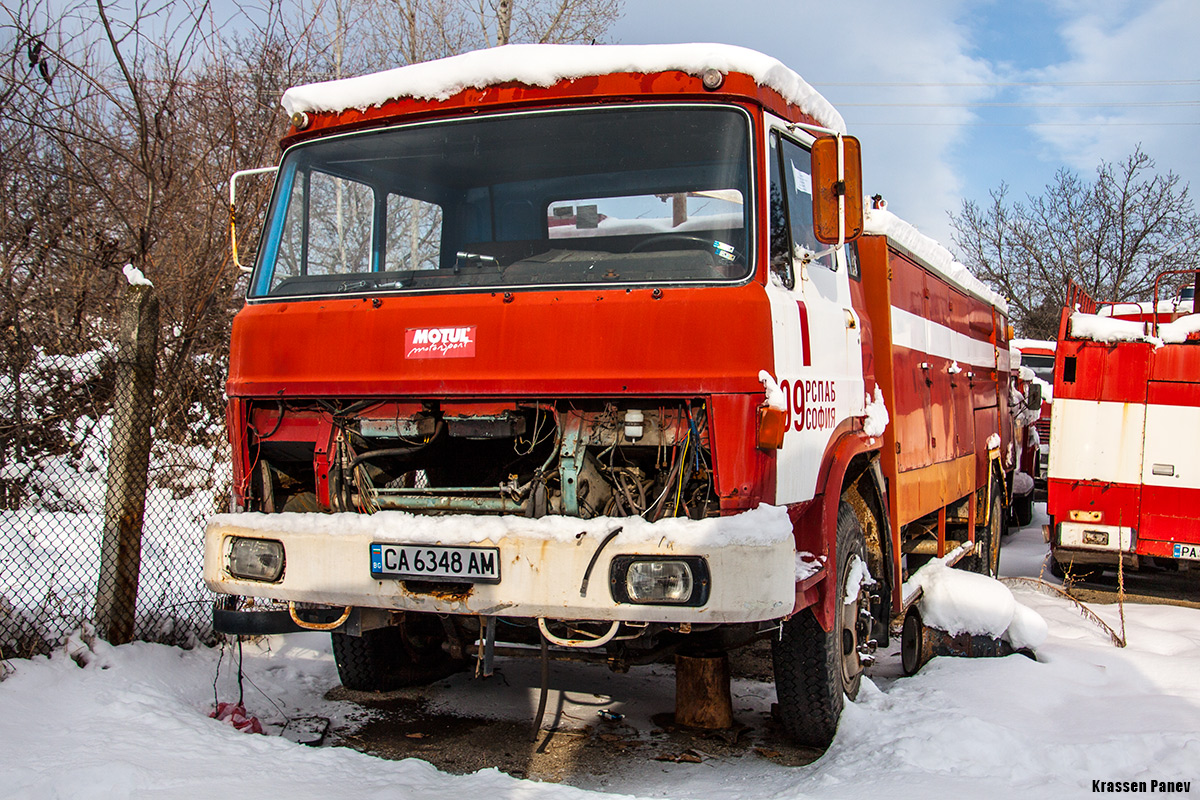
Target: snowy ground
(133, 722)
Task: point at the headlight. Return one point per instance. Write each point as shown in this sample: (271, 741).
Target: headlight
(256, 559)
(681, 581)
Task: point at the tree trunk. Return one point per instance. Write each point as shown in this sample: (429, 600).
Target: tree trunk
(504, 13)
(128, 462)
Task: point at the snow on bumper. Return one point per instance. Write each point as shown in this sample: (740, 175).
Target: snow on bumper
(750, 559)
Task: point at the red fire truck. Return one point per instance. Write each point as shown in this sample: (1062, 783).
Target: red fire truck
(1127, 494)
(576, 351)
(1038, 356)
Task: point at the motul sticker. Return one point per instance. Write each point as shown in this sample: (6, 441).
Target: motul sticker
(439, 342)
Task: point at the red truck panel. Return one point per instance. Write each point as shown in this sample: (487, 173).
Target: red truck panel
(691, 341)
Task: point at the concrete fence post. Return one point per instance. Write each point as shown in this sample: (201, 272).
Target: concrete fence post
(128, 463)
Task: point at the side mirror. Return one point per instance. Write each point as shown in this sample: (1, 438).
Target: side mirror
(1033, 399)
(233, 210)
(837, 179)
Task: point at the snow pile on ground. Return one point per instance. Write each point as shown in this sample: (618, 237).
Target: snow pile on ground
(881, 222)
(50, 546)
(134, 722)
(958, 601)
(764, 525)
(50, 380)
(546, 65)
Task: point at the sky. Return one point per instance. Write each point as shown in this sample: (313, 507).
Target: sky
(951, 98)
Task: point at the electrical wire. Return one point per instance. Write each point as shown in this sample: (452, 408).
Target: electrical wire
(682, 469)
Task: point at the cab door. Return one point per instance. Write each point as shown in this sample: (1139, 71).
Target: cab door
(817, 342)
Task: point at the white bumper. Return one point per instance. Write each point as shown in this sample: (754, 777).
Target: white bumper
(750, 559)
(1093, 536)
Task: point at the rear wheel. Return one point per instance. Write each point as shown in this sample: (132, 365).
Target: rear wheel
(816, 670)
(408, 654)
(986, 560)
(1023, 509)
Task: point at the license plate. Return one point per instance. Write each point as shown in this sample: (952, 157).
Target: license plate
(1191, 551)
(463, 564)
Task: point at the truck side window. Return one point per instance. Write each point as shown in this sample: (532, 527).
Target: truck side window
(414, 234)
(797, 177)
(854, 270)
(328, 227)
(781, 246)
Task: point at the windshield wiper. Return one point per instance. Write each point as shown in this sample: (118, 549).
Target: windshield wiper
(464, 259)
(357, 286)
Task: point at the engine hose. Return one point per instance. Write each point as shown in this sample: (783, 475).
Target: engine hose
(599, 641)
(587, 573)
(398, 452)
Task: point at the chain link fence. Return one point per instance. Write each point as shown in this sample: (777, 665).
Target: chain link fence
(84, 539)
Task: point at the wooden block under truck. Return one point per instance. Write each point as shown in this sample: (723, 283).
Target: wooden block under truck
(1124, 466)
(583, 351)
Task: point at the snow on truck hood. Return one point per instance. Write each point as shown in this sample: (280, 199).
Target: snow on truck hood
(763, 526)
(547, 64)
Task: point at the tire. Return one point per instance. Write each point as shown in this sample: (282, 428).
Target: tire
(1023, 509)
(987, 538)
(408, 654)
(816, 671)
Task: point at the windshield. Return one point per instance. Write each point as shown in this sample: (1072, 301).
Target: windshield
(1042, 366)
(611, 196)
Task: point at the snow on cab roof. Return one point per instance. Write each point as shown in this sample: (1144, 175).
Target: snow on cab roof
(1034, 344)
(547, 64)
(1110, 331)
(882, 222)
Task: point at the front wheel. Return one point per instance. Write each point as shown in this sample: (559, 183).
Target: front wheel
(816, 670)
(408, 654)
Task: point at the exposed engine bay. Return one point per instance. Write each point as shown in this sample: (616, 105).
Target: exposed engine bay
(569, 458)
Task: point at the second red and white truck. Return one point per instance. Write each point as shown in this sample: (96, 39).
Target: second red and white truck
(1124, 468)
